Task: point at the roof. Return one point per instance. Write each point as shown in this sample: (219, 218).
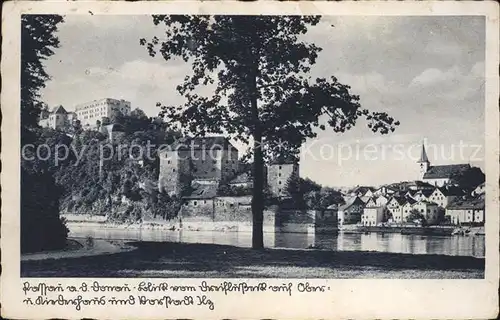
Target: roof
(107, 100)
(445, 171)
(59, 110)
(423, 155)
(242, 200)
(285, 160)
(203, 191)
(362, 189)
(350, 202)
(245, 177)
(451, 191)
(202, 143)
(405, 185)
(399, 200)
(425, 192)
(365, 199)
(411, 192)
(410, 201)
(426, 202)
(471, 203)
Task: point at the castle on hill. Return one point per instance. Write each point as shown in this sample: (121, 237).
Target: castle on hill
(88, 113)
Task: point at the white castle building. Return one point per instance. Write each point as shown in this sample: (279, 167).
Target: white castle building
(88, 113)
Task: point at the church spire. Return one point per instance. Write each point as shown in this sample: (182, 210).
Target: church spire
(423, 155)
(423, 162)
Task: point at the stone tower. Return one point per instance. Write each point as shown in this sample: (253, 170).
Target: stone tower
(423, 162)
(279, 172)
(174, 173)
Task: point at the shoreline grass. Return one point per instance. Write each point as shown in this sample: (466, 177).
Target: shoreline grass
(182, 260)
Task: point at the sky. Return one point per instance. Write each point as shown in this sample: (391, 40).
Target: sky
(426, 72)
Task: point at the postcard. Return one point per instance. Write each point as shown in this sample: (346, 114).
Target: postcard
(278, 160)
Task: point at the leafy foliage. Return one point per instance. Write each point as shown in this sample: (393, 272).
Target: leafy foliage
(258, 69)
(469, 179)
(41, 227)
(38, 41)
(322, 199)
(416, 216)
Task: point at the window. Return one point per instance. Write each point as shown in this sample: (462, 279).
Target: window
(279, 182)
(279, 174)
(205, 201)
(173, 170)
(279, 167)
(195, 203)
(168, 161)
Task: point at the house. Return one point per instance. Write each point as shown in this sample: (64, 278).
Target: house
(410, 193)
(444, 195)
(428, 209)
(384, 190)
(56, 119)
(407, 207)
(422, 195)
(372, 216)
(466, 210)
(351, 211)
(200, 203)
(371, 202)
(373, 213)
(410, 186)
(232, 208)
(382, 200)
(365, 199)
(395, 207)
(243, 180)
(480, 189)
(361, 191)
(439, 175)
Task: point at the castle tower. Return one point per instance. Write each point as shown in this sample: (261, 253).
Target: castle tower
(278, 174)
(423, 162)
(174, 172)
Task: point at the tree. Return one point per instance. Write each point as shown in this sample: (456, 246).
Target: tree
(41, 226)
(322, 199)
(416, 215)
(105, 121)
(300, 190)
(386, 215)
(470, 178)
(38, 41)
(262, 94)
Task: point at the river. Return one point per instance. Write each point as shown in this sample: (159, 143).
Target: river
(388, 242)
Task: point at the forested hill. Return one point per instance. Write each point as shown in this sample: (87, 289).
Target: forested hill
(120, 185)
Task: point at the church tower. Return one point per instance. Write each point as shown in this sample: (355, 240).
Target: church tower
(423, 161)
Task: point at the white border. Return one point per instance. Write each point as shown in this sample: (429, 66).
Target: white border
(350, 298)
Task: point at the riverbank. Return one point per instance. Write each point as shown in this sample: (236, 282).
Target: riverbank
(76, 248)
(181, 260)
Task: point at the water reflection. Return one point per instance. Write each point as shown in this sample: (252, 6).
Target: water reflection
(388, 242)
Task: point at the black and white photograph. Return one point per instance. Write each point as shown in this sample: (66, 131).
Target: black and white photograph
(149, 140)
(254, 146)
